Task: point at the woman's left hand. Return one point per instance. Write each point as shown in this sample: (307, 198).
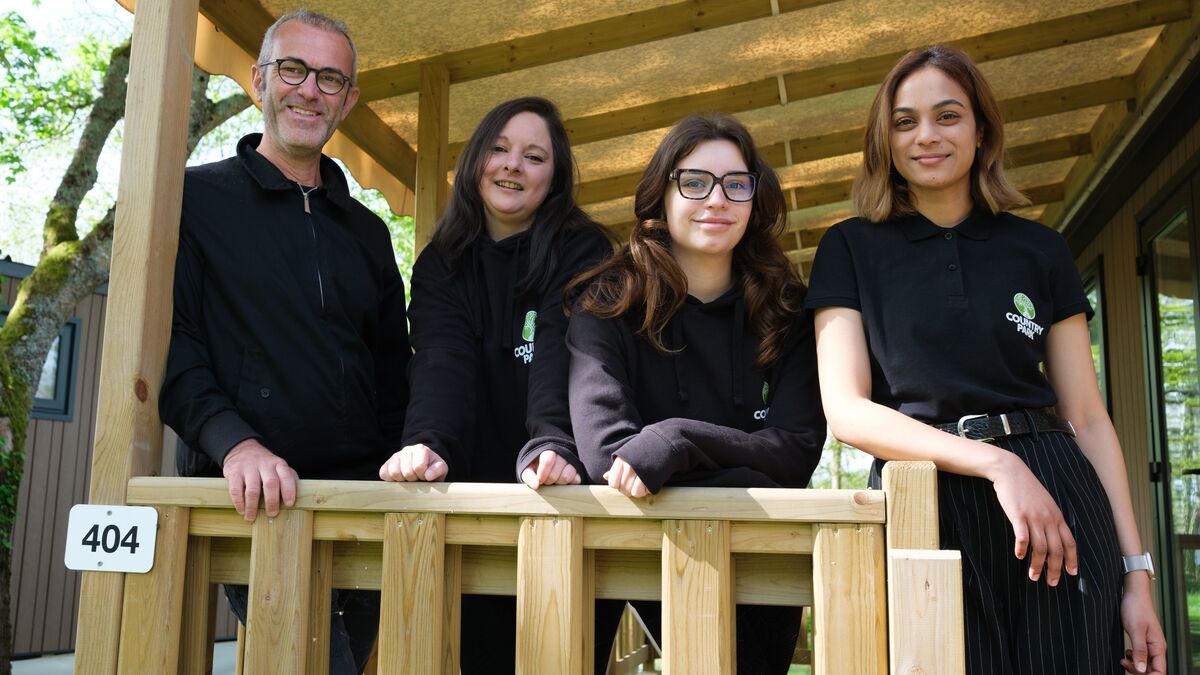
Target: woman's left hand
(550, 469)
(623, 478)
(1149, 652)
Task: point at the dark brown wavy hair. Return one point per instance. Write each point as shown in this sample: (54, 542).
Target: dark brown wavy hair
(644, 279)
(880, 192)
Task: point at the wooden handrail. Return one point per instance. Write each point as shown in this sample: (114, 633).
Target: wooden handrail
(697, 550)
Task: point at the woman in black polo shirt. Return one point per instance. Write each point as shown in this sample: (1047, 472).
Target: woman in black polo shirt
(692, 360)
(934, 311)
(489, 371)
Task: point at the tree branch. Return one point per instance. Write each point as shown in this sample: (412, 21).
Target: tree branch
(80, 176)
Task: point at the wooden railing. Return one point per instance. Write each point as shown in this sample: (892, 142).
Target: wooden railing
(699, 550)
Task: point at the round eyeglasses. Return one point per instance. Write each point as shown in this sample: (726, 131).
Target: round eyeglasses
(295, 72)
(738, 186)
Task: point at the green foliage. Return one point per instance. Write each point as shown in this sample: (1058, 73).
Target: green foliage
(41, 98)
(15, 405)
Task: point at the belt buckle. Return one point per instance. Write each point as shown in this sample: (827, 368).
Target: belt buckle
(962, 428)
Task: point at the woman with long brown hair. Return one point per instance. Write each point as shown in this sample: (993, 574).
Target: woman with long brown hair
(692, 361)
(950, 330)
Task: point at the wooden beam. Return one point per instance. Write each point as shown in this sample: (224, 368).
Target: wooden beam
(911, 488)
(410, 627)
(146, 236)
(1114, 131)
(595, 37)
(697, 597)
(550, 596)
(200, 599)
(433, 130)
(320, 602)
(849, 603)
(597, 501)
(925, 611)
(870, 71)
(245, 22)
(277, 617)
(151, 624)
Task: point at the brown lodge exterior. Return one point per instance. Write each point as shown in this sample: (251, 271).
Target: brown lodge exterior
(1101, 99)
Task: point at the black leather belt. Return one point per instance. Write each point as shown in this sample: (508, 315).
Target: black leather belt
(990, 427)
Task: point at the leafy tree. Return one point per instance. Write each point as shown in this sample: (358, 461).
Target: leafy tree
(34, 108)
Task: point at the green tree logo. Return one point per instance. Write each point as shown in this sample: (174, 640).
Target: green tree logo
(766, 390)
(530, 326)
(1024, 305)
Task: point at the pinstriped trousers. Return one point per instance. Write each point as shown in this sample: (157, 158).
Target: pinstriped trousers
(1014, 625)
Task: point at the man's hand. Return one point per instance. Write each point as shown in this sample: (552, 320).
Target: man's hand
(253, 471)
(549, 468)
(414, 462)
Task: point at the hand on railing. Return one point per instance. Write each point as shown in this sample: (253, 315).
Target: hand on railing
(414, 462)
(251, 471)
(623, 478)
(549, 468)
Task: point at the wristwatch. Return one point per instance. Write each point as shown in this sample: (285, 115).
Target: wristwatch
(1139, 562)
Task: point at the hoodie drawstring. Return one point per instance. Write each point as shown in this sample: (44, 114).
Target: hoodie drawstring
(677, 343)
(735, 351)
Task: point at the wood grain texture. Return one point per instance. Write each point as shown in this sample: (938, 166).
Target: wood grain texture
(199, 600)
(925, 612)
(849, 603)
(697, 598)
(410, 625)
(320, 599)
(451, 609)
(550, 596)
(151, 622)
(911, 489)
(433, 134)
(278, 619)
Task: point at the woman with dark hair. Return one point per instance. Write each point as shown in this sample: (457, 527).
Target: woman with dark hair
(488, 373)
(936, 312)
(692, 361)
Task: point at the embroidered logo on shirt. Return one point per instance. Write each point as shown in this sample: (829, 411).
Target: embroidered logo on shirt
(525, 351)
(762, 414)
(531, 325)
(1024, 320)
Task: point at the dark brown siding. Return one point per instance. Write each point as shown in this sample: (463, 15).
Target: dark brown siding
(45, 594)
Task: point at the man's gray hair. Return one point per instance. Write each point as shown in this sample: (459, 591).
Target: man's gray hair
(316, 20)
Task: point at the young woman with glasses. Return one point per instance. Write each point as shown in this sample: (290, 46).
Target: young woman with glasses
(692, 361)
(488, 374)
(950, 330)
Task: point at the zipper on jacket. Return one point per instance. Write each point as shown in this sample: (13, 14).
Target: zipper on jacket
(313, 229)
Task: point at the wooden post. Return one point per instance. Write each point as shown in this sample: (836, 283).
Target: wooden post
(410, 626)
(550, 596)
(150, 624)
(452, 599)
(589, 612)
(697, 598)
(199, 601)
(128, 431)
(925, 612)
(849, 605)
(278, 617)
(320, 610)
(433, 135)
(912, 506)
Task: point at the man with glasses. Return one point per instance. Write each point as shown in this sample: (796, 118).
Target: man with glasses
(289, 342)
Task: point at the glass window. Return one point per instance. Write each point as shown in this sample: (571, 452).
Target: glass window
(53, 399)
(1095, 295)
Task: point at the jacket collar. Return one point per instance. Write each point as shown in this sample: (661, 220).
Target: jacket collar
(977, 225)
(269, 177)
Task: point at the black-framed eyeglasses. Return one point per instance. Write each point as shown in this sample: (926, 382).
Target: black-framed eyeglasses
(738, 186)
(295, 72)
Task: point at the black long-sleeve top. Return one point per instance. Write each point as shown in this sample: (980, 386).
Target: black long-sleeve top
(489, 372)
(701, 416)
(288, 326)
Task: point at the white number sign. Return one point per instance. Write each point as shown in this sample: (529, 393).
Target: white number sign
(104, 538)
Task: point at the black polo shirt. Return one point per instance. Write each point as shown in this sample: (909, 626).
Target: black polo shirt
(956, 318)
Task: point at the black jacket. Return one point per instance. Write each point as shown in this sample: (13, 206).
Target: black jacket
(489, 372)
(702, 416)
(289, 327)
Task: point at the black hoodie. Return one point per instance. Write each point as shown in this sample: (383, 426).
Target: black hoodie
(489, 372)
(702, 416)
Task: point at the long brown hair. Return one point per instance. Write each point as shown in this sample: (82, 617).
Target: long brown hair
(880, 192)
(644, 277)
(557, 215)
